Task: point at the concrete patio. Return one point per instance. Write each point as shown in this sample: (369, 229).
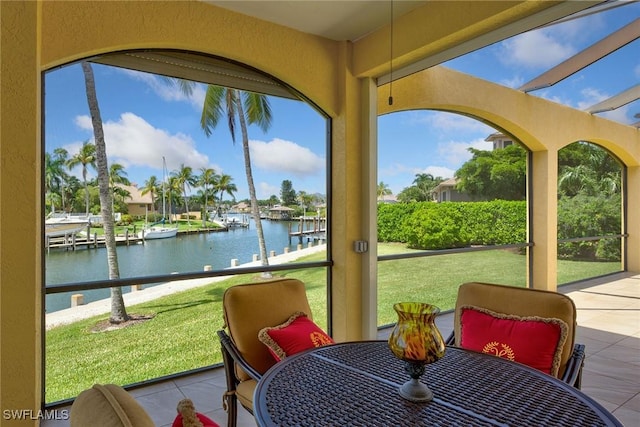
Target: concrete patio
(608, 324)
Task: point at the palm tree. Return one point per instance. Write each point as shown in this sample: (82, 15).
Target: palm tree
(225, 185)
(117, 175)
(118, 310)
(86, 157)
(246, 108)
(151, 187)
(184, 180)
(305, 200)
(173, 190)
(383, 190)
(54, 177)
(207, 178)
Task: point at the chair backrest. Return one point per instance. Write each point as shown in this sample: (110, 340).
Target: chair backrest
(521, 302)
(250, 307)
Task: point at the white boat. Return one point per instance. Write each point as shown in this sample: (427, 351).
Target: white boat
(67, 225)
(230, 221)
(158, 232)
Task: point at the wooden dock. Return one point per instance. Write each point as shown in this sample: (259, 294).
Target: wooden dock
(311, 228)
(75, 242)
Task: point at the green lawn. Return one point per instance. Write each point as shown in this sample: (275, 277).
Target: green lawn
(182, 334)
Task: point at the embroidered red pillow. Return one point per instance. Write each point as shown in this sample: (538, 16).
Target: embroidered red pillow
(298, 333)
(533, 341)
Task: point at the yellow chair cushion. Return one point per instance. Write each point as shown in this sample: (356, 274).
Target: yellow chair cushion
(249, 308)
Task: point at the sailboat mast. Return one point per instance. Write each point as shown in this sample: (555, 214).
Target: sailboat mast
(164, 178)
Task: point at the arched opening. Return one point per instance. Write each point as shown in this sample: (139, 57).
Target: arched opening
(175, 159)
(591, 232)
(452, 208)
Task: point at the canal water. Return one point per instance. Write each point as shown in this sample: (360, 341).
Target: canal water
(182, 254)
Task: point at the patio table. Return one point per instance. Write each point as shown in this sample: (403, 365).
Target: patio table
(356, 384)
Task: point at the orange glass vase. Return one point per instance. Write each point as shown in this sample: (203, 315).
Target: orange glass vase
(416, 340)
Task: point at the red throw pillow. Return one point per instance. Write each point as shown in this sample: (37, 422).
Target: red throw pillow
(533, 341)
(293, 336)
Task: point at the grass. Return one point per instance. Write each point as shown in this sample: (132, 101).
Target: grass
(182, 334)
(182, 224)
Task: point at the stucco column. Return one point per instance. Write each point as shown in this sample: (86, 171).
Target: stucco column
(369, 144)
(633, 219)
(544, 220)
(347, 204)
(20, 223)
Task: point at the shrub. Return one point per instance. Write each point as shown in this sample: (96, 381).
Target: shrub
(428, 225)
(585, 216)
(437, 227)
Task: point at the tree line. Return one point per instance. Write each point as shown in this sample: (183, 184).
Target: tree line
(65, 192)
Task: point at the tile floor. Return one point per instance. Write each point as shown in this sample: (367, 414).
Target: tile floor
(609, 326)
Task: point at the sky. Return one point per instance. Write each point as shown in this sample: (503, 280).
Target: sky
(146, 120)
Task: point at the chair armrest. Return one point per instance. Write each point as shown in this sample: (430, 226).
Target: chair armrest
(232, 352)
(451, 340)
(573, 372)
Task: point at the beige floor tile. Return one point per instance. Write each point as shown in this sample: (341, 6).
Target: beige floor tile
(161, 406)
(632, 341)
(608, 389)
(627, 417)
(206, 395)
(614, 369)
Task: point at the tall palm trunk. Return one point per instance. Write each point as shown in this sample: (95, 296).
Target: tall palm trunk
(255, 211)
(86, 191)
(118, 310)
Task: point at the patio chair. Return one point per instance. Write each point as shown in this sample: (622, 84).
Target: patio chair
(521, 304)
(247, 309)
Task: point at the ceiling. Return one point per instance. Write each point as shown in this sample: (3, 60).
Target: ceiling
(336, 20)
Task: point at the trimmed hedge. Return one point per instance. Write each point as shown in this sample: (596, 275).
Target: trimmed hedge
(428, 225)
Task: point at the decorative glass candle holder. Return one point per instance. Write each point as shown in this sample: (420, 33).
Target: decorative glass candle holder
(416, 340)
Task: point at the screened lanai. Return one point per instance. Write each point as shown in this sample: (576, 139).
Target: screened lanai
(343, 70)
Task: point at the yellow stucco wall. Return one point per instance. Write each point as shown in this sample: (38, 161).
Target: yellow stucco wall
(75, 30)
(20, 222)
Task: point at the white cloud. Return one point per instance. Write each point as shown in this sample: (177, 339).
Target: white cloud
(132, 141)
(283, 156)
(168, 91)
(535, 49)
(591, 96)
(457, 152)
(513, 83)
(450, 122)
(266, 190)
(438, 171)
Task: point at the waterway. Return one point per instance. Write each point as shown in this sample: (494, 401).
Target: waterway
(182, 254)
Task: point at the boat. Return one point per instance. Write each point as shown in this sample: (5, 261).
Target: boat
(154, 231)
(64, 225)
(230, 221)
